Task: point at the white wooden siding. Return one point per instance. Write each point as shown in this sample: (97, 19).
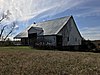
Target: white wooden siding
(70, 34)
(38, 31)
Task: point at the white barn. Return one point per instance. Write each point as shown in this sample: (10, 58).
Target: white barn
(60, 32)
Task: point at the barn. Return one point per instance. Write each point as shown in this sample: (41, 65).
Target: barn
(60, 32)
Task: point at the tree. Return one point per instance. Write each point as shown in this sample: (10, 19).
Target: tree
(6, 26)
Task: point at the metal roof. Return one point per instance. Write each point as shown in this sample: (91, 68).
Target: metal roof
(50, 27)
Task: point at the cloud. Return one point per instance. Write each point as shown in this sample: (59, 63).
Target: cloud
(92, 33)
(88, 8)
(21, 9)
(92, 12)
(27, 9)
(24, 10)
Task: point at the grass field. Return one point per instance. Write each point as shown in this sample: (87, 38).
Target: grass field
(27, 61)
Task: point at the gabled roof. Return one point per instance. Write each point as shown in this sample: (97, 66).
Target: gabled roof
(50, 27)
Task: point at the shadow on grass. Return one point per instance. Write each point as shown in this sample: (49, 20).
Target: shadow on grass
(28, 48)
(67, 49)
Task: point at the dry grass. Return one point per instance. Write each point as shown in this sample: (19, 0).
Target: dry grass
(19, 61)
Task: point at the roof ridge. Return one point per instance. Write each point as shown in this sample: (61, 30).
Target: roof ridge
(53, 19)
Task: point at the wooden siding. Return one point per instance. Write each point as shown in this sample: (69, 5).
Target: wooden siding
(70, 33)
(46, 40)
(37, 30)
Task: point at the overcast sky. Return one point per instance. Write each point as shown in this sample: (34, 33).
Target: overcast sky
(86, 13)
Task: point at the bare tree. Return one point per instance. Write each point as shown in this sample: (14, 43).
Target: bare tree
(6, 29)
(11, 29)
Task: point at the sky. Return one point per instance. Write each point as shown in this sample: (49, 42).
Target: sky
(85, 12)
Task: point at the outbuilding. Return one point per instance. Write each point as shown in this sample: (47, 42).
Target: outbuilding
(60, 32)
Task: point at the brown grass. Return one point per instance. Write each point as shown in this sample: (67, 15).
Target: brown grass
(39, 62)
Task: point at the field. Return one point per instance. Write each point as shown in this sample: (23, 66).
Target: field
(27, 61)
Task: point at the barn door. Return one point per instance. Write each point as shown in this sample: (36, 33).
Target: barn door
(59, 41)
(32, 39)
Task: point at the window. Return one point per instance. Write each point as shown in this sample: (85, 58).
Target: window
(67, 38)
(75, 39)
